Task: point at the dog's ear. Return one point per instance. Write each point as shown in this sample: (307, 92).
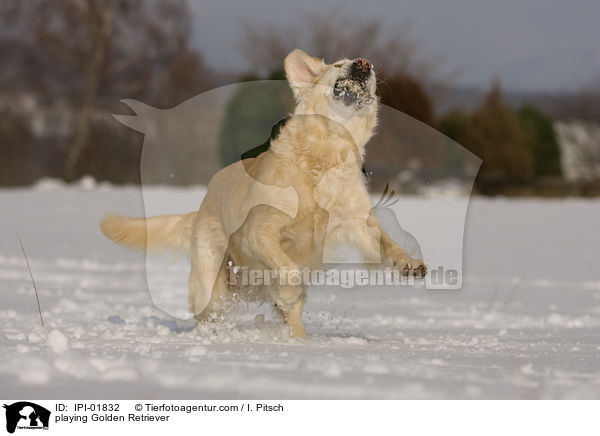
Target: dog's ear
(302, 69)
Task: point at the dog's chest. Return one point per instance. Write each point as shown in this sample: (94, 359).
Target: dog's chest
(338, 188)
(337, 194)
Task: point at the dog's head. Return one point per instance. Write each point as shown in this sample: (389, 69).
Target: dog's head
(343, 91)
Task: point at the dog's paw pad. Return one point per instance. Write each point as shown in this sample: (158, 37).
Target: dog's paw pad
(420, 271)
(412, 268)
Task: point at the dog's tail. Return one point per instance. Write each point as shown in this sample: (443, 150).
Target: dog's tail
(161, 232)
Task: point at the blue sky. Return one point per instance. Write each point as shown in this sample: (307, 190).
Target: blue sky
(535, 45)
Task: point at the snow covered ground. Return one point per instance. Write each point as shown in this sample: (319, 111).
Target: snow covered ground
(526, 323)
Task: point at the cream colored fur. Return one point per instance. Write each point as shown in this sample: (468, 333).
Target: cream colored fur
(287, 209)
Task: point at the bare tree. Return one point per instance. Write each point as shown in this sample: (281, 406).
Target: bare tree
(332, 36)
(100, 19)
(92, 53)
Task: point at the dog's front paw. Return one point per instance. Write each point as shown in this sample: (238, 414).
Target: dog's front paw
(410, 267)
(419, 270)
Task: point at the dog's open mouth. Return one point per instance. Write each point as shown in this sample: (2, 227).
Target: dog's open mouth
(352, 92)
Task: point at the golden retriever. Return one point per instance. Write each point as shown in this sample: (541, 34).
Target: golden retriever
(291, 206)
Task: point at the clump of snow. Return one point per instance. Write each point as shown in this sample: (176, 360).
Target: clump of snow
(34, 338)
(87, 183)
(57, 341)
(48, 184)
(162, 330)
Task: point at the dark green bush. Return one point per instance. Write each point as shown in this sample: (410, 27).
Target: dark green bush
(541, 139)
(249, 116)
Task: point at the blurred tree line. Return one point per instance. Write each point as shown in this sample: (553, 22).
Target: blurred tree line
(516, 146)
(65, 66)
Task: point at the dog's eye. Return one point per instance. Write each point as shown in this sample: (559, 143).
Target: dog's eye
(340, 65)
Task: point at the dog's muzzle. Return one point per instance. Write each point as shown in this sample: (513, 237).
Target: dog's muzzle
(353, 90)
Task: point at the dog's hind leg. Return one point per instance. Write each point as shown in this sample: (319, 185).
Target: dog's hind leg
(207, 276)
(219, 299)
(293, 318)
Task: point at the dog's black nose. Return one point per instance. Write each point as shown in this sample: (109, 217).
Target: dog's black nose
(360, 69)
